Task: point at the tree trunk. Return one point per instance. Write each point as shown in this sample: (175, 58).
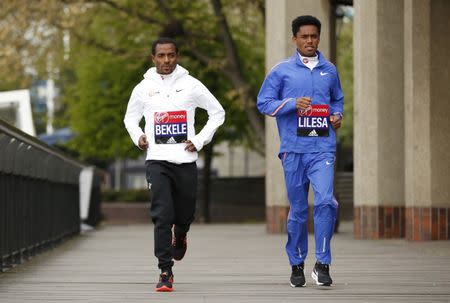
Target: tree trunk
(206, 194)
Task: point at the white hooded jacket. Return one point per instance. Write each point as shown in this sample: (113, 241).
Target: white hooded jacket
(168, 103)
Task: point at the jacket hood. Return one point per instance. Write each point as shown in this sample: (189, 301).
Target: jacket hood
(178, 72)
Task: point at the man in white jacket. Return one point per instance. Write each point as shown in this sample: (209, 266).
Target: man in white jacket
(167, 98)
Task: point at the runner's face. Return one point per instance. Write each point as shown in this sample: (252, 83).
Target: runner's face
(165, 58)
(307, 40)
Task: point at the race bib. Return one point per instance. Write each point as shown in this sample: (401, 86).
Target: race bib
(170, 127)
(313, 122)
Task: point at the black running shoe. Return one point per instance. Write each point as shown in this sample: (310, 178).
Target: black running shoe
(321, 274)
(297, 276)
(165, 282)
(179, 247)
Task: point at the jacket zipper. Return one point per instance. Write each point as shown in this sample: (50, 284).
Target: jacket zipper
(312, 96)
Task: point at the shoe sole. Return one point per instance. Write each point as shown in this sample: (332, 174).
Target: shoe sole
(314, 276)
(164, 289)
(292, 285)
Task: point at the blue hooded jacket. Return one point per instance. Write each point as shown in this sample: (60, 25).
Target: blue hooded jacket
(290, 80)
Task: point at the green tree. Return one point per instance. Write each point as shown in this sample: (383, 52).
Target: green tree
(96, 101)
(97, 50)
(99, 64)
(109, 57)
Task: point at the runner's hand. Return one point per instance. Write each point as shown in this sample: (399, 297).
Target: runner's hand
(143, 143)
(190, 146)
(303, 103)
(336, 121)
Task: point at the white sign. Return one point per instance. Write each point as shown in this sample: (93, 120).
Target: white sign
(19, 102)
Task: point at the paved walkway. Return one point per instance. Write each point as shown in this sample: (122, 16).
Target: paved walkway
(228, 263)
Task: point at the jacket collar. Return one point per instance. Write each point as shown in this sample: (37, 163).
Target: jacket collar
(296, 58)
(177, 73)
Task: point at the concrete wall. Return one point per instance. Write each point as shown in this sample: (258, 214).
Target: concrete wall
(401, 120)
(440, 103)
(417, 103)
(427, 160)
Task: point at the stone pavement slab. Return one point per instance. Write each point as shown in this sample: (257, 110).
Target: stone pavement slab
(228, 263)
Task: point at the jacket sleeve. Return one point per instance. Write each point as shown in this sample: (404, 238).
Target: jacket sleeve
(268, 101)
(216, 115)
(133, 116)
(337, 97)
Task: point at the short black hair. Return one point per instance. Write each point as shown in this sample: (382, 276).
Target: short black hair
(163, 40)
(305, 20)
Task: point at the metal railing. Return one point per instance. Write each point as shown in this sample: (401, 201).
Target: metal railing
(39, 196)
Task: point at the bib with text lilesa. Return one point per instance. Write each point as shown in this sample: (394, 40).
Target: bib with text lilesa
(313, 121)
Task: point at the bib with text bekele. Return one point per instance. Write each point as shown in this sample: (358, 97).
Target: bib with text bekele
(313, 121)
(170, 127)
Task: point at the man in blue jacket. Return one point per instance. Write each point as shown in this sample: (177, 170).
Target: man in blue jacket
(304, 95)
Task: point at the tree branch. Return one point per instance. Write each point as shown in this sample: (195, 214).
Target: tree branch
(91, 42)
(166, 10)
(129, 12)
(230, 47)
(199, 55)
(261, 6)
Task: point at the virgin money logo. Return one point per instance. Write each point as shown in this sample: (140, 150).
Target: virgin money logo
(320, 110)
(162, 117)
(307, 112)
(178, 116)
(315, 110)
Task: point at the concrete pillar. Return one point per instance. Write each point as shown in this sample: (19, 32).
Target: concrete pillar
(379, 196)
(427, 113)
(279, 15)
